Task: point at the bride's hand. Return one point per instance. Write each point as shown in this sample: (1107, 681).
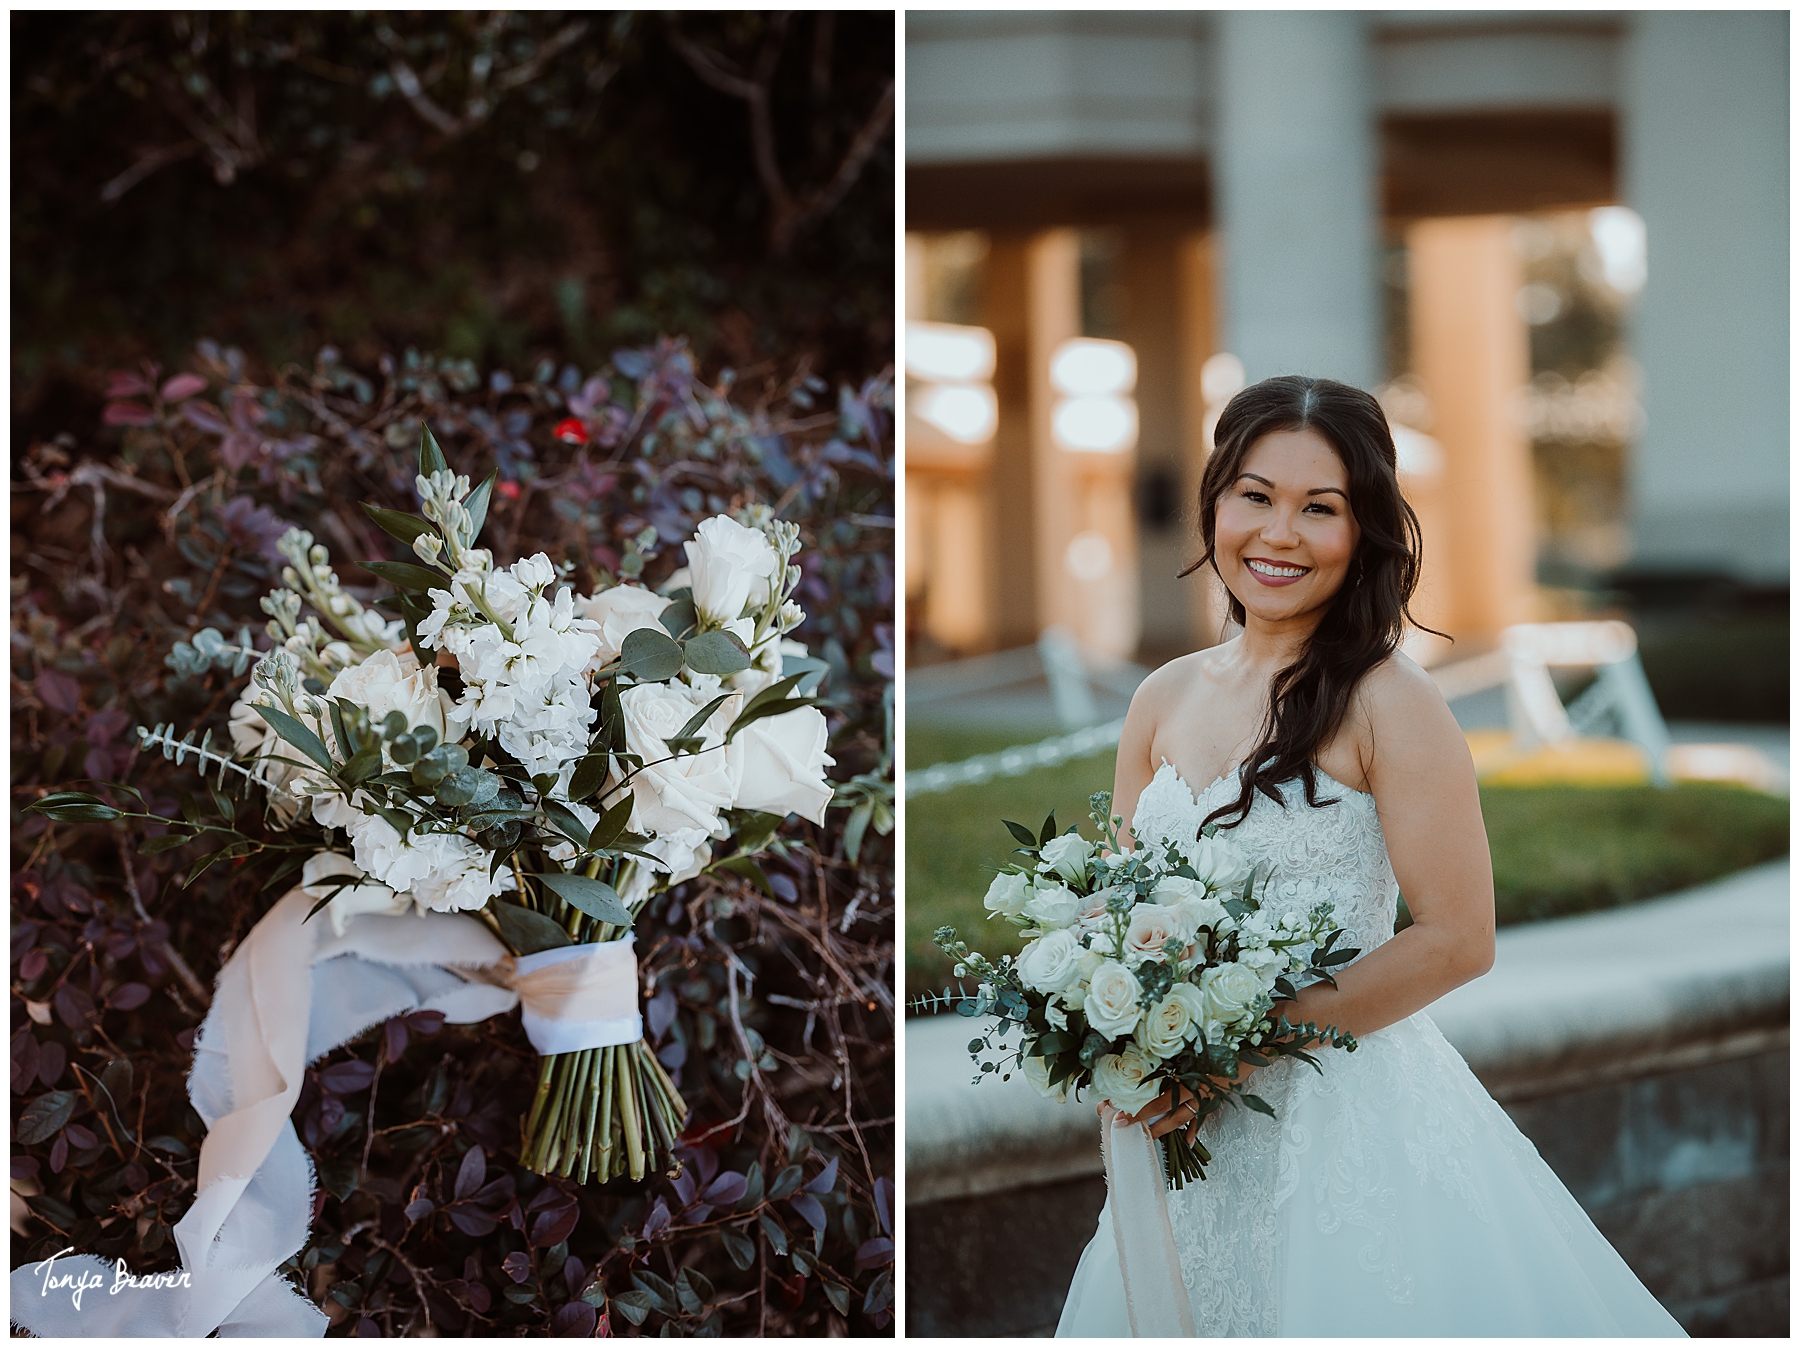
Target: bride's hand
(1180, 1108)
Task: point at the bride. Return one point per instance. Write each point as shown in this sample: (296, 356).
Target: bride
(1390, 1195)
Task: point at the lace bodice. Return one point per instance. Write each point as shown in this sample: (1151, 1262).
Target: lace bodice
(1334, 853)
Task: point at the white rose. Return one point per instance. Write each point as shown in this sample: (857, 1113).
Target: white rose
(1152, 926)
(683, 791)
(1113, 1001)
(1037, 1072)
(1067, 856)
(1172, 1022)
(779, 763)
(1051, 962)
(1007, 894)
(620, 611)
(325, 869)
(1052, 905)
(1233, 995)
(1220, 864)
(1126, 1080)
(729, 565)
(388, 682)
(678, 855)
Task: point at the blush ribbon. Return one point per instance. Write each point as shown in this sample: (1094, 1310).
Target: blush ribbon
(1155, 1296)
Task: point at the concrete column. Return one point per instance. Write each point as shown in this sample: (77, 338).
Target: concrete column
(1705, 151)
(1471, 351)
(1296, 166)
(1012, 494)
(1053, 271)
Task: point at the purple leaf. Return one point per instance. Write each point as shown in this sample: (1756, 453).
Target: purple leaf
(24, 1167)
(128, 996)
(574, 1320)
(685, 1189)
(347, 1078)
(658, 1222)
(419, 1209)
(396, 1037)
(74, 1006)
(182, 386)
(884, 1203)
(553, 1226)
(879, 1250)
(574, 1273)
(726, 1189)
(367, 1328)
(473, 1172)
(80, 1138)
(58, 690)
(471, 1221)
(809, 1208)
(205, 417)
(125, 384)
(659, 1013)
(480, 1298)
(822, 1182)
(128, 414)
(672, 1054)
(59, 1153)
(517, 1266)
(425, 1022)
(34, 964)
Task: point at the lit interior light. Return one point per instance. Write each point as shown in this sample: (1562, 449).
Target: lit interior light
(1101, 425)
(1090, 556)
(949, 352)
(1220, 377)
(1418, 455)
(965, 412)
(1089, 366)
(1539, 303)
(1621, 240)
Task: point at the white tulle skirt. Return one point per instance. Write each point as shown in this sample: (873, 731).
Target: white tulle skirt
(1391, 1196)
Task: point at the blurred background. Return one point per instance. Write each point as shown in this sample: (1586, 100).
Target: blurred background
(1555, 246)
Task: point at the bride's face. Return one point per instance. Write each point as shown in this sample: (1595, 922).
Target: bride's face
(1285, 534)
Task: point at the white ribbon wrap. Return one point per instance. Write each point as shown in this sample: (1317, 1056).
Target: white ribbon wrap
(291, 993)
(1155, 1296)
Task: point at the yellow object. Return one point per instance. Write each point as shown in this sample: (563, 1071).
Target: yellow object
(1499, 761)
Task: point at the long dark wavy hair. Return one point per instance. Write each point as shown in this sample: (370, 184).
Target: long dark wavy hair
(1309, 699)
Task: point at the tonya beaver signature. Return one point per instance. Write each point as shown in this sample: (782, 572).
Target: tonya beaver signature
(77, 1283)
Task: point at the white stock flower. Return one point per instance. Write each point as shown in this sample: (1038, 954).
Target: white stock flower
(1114, 1000)
(729, 566)
(1067, 856)
(680, 854)
(1268, 964)
(1051, 905)
(389, 682)
(1050, 963)
(679, 791)
(1153, 925)
(1172, 1022)
(1037, 1072)
(779, 763)
(1233, 996)
(1007, 894)
(1220, 863)
(534, 572)
(324, 869)
(620, 611)
(1125, 1079)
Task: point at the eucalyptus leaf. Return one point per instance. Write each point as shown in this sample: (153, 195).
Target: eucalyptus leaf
(719, 652)
(525, 931)
(297, 735)
(596, 898)
(650, 655)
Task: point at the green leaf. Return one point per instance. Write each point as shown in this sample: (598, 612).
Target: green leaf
(612, 824)
(468, 786)
(650, 656)
(694, 1290)
(566, 821)
(44, 1117)
(741, 1249)
(837, 1294)
(772, 1229)
(364, 765)
(1023, 834)
(1260, 1105)
(787, 1182)
(297, 735)
(1049, 829)
(431, 458)
(854, 830)
(477, 504)
(74, 807)
(167, 842)
(406, 575)
(593, 897)
(719, 652)
(525, 931)
(747, 868)
(590, 776)
(403, 527)
(700, 718)
(680, 618)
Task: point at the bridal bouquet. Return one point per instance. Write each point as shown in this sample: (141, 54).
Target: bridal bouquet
(1143, 970)
(542, 760)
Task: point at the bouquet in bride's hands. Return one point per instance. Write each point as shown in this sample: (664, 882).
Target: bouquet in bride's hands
(543, 760)
(1144, 970)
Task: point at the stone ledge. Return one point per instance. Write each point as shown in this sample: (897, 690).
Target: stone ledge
(1628, 991)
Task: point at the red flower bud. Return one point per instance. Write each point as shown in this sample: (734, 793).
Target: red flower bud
(571, 432)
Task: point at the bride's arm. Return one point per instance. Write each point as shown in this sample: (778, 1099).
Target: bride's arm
(1423, 780)
(1133, 770)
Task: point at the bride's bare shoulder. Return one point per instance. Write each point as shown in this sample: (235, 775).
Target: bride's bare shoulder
(1399, 704)
(1172, 682)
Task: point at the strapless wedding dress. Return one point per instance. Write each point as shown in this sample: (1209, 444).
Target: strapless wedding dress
(1390, 1195)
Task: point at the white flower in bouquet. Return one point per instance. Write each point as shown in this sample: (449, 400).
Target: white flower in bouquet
(1172, 1022)
(619, 612)
(729, 565)
(1151, 926)
(548, 729)
(390, 681)
(1051, 963)
(1007, 894)
(323, 870)
(1052, 906)
(1233, 996)
(1067, 856)
(779, 763)
(1191, 899)
(1114, 1000)
(440, 871)
(1127, 1079)
(1268, 964)
(674, 791)
(679, 855)
(1219, 863)
(1037, 1072)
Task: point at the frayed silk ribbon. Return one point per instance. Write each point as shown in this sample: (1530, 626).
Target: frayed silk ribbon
(292, 992)
(1155, 1296)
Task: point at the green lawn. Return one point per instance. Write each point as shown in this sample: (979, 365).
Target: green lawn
(1557, 849)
